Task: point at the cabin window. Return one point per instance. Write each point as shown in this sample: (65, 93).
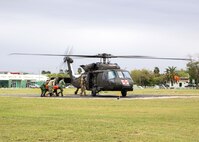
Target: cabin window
(111, 75)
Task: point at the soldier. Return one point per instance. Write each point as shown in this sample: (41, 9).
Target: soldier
(61, 86)
(50, 86)
(56, 80)
(76, 91)
(83, 85)
(43, 88)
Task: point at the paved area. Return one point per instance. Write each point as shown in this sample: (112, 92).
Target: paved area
(129, 97)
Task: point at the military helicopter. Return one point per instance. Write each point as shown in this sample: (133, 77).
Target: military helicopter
(103, 75)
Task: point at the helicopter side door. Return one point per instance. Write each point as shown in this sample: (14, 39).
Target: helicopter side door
(94, 79)
(90, 81)
(107, 80)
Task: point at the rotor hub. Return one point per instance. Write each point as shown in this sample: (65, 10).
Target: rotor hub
(105, 57)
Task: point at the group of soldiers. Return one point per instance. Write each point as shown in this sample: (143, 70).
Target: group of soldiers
(52, 86)
(55, 86)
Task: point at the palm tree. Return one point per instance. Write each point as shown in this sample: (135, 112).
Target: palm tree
(170, 74)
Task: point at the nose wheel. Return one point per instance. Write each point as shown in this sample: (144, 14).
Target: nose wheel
(123, 92)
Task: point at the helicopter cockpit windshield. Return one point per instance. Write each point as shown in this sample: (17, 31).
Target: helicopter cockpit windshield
(121, 74)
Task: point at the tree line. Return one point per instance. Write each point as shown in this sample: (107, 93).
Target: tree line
(146, 77)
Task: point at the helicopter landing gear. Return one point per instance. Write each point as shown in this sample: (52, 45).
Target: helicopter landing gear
(94, 92)
(123, 92)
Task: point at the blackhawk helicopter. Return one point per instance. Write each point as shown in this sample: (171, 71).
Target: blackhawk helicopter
(103, 75)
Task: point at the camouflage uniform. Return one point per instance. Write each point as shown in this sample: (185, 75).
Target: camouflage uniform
(50, 86)
(83, 85)
(44, 88)
(61, 86)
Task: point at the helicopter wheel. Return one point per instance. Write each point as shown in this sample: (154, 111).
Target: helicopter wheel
(123, 92)
(93, 92)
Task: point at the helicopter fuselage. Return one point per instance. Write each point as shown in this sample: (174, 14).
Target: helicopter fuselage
(109, 80)
(103, 77)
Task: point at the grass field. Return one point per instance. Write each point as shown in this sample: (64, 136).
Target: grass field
(82, 120)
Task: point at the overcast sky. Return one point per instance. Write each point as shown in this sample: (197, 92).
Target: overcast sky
(162, 28)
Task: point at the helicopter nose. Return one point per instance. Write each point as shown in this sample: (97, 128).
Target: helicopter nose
(125, 82)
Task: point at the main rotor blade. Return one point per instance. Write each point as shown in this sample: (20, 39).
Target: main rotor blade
(32, 54)
(104, 55)
(150, 57)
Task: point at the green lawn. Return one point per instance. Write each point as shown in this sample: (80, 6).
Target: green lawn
(52, 119)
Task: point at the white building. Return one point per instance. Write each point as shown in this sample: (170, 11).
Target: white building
(20, 80)
(181, 83)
